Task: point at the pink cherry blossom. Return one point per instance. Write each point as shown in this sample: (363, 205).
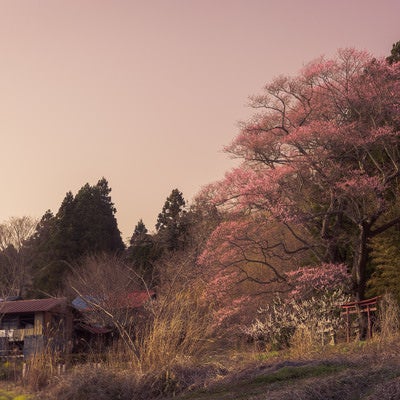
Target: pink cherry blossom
(320, 160)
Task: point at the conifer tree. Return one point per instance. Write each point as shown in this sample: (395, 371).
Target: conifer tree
(84, 225)
(142, 253)
(395, 54)
(172, 222)
(385, 261)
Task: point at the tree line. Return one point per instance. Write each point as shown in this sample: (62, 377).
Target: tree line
(37, 256)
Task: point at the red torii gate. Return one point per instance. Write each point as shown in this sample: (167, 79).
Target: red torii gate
(356, 307)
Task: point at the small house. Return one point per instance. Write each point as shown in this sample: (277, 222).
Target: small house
(99, 319)
(28, 326)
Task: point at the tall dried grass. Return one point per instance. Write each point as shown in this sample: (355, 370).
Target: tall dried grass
(302, 343)
(160, 359)
(175, 334)
(388, 321)
(40, 368)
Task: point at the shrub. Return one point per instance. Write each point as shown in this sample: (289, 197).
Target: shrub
(318, 316)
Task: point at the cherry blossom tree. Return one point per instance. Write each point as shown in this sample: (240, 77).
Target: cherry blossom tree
(258, 250)
(307, 282)
(320, 159)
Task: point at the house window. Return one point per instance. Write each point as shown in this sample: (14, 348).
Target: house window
(27, 321)
(9, 322)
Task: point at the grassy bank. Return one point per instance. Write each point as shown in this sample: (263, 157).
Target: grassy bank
(365, 370)
(334, 380)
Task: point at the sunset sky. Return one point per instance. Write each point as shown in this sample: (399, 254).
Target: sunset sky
(147, 93)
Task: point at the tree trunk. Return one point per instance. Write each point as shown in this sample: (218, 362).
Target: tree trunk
(359, 273)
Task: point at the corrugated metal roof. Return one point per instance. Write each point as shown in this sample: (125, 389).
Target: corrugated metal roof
(85, 303)
(28, 306)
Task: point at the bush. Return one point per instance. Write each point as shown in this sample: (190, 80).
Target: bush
(318, 317)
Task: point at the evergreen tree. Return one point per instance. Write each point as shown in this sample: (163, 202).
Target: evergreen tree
(386, 261)
(84, 225)
(142, 253)
(172, 222)
(395, 54)
(94, 222)
(65, 234)
(45, 256)
(139, 231)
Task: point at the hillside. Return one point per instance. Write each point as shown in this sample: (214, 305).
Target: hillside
(333, 379)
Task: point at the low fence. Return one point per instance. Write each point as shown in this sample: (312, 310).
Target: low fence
(17, 335)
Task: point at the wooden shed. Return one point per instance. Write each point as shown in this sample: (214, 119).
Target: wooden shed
(28, 326)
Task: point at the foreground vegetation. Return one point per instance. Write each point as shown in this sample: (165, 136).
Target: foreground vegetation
(180, 356)
(359, 370)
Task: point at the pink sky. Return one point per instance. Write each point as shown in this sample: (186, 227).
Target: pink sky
(147, 93)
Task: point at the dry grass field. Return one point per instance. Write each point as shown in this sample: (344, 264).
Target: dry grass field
(360, 370)
(177, 358)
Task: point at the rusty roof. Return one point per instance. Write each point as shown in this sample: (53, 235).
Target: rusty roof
(139, 298)
(29, 306)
